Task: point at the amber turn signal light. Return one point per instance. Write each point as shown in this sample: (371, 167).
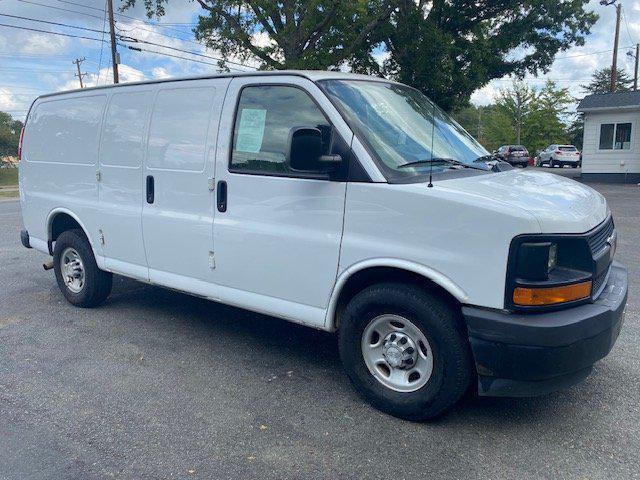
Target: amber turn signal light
(529, 297)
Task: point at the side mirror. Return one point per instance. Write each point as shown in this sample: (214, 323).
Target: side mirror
(305, 152)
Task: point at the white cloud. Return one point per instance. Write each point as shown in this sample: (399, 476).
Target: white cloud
(8, 101)
(126, 74)
(160, 72)
(43, 44)
(486, 95)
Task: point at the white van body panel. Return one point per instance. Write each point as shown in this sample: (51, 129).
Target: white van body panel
(279, 229)
(559, 204)
(61, 146)
(178, 225)
(448, 236)
(122, 153)
(285, 246)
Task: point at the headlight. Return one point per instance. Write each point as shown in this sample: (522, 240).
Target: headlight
(536, 260)
(546, 271)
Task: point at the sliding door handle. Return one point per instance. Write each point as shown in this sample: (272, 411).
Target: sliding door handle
(221, 196)
(150, 189)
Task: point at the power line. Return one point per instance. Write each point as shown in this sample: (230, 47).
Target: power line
(139, 49)
(123, 38)
(104, 21)
(66, 25)
(59, 8)
(49, 32)
(135, 40)
(624, 15)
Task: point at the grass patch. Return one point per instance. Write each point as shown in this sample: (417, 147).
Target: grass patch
(8, 176)
(11, 194)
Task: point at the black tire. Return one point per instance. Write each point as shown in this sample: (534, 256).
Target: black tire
(551, 163)
(443, 327)
(97, 283)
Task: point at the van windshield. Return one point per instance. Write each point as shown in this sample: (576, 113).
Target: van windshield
(402, 126)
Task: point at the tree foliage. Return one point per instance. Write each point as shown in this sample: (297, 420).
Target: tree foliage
(601, 81)
(445, 49)
(290, 34)
(9, 135)
(450, 49)
(541, 116)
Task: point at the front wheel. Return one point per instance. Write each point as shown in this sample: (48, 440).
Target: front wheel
(551, 163)
(81, 281)
(405, 350)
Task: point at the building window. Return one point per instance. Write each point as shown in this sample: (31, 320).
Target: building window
(623, 137)
(615, 136)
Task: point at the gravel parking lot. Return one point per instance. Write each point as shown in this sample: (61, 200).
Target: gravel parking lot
(156, 384)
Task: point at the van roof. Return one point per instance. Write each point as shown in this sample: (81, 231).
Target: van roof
(313, 75)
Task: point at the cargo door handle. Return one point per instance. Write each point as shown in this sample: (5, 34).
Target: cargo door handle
(150, 189)
(221, 196)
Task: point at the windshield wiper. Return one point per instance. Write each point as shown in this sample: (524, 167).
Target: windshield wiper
(486, 158)
(451, 161)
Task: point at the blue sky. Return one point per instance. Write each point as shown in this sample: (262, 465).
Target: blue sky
(32, 63)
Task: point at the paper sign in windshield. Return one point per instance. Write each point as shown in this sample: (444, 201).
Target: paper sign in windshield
(251, 130)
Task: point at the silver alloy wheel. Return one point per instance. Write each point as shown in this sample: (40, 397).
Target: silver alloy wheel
(397, 353)
(72, 269)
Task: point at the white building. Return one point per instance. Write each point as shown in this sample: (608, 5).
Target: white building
(611, 146)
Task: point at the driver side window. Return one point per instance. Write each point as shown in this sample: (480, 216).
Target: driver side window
(264, 119)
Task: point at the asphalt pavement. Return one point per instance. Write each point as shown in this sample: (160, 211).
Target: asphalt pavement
(156, 384)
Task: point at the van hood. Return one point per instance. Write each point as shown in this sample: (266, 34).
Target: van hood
(559, 204)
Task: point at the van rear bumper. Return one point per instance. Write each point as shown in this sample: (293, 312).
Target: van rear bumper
(520, 355)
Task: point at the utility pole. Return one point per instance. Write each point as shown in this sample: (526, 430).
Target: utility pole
(635, 75)
(77, 62)
(112, 32)
(614, 63)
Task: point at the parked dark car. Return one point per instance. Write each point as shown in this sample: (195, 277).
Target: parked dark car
(516, 155)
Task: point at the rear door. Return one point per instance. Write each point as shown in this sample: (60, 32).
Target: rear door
(122, 152)
(177, 216)
(277, 235)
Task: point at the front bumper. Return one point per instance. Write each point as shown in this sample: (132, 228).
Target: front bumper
(520, 355)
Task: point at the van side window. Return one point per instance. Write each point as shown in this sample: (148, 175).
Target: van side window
(124, 127)
(265, 116)
(66, 130)
(178, 131)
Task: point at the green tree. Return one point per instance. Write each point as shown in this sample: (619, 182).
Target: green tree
(516, 103)
(9, 134)
(547, 120)
(601, 81)
(575, 131)
(450, 49)
(290, 34)
(498, 128)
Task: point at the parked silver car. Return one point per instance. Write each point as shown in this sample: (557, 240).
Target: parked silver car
(560, 155)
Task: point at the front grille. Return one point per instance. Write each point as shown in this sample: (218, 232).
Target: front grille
(598, 282)
(598, 239)
(597, 242)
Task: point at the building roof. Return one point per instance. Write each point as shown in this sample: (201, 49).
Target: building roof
(610, 101)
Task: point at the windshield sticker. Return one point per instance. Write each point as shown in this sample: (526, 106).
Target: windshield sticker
(251, 130)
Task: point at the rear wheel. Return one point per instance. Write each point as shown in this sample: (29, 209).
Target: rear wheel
(81, 281)
(405, 350)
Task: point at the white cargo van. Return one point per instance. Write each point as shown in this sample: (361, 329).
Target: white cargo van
(343, 202)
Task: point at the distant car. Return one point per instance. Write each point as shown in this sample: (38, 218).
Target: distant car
(516, 155)
(560, 155)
